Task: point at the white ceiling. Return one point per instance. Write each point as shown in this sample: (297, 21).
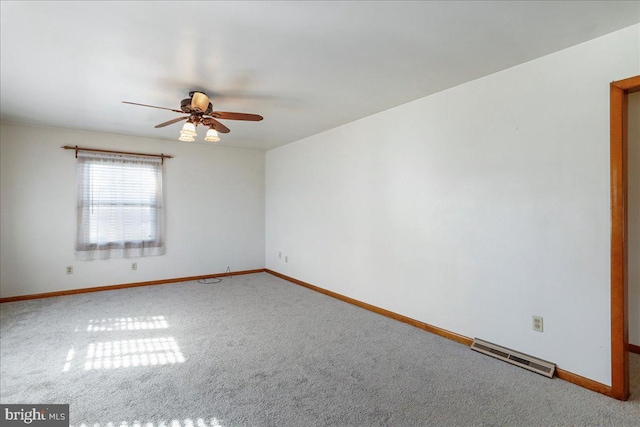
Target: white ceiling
(305, 66)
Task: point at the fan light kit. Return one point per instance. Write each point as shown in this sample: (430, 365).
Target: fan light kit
(212, 136)
(200, 111)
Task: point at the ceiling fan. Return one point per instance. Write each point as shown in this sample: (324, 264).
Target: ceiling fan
(200, 111)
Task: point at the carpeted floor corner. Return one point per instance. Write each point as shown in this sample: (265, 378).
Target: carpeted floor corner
(258, 351)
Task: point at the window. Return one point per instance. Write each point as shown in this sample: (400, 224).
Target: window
(119, 208)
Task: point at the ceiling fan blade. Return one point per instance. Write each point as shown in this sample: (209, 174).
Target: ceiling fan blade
(210, 121)
(170, 122)
(236, 116)
(152, 106)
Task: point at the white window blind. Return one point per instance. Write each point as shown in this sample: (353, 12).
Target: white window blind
(119, 211)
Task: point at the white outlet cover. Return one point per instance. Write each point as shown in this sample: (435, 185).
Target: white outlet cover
(538, 324)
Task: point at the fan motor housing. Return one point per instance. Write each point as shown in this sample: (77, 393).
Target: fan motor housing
(185, 105)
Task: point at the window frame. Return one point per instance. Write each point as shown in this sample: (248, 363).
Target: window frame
(89, 244)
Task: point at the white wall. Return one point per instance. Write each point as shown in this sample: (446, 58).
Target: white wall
(214, 198)
(472, 209)
(634, 218)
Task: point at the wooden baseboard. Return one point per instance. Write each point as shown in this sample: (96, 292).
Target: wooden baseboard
(584, 382)
(634, 348)
(562, 374)
(125, 285)
(418, 324)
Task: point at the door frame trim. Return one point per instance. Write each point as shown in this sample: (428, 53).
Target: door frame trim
(619, 263)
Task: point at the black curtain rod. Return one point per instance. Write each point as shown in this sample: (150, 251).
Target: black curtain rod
(95, 150)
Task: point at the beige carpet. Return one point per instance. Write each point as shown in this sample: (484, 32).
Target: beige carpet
(258, 351)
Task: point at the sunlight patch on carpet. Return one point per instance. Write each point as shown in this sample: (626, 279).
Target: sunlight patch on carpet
(187, 422)
(149, 350)
(67, 364)
(127, 323)
(139, 352)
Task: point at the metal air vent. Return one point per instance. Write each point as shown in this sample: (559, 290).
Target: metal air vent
(531, 363)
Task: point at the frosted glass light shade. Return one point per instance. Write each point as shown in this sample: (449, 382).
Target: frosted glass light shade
(186, 138)
(189, 129)
(212, 136)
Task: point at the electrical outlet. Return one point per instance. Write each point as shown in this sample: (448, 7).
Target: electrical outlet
(279, 254)
(70, 269)
(286, 258)
(134, 266)
(537, 324)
